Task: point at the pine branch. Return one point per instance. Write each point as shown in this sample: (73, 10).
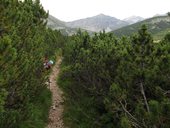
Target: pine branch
(167, 92)
(144, 96)
(135, 124)
(132, 117)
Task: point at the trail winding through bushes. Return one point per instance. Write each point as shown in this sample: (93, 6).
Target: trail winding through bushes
(55, 119)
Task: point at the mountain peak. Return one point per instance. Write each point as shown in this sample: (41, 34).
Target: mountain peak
(101, 14)
(98, 23)
(133, 19)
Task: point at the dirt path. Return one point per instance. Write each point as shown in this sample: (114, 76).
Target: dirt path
(55, 114)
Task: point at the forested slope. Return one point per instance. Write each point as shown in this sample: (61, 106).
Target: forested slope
(116, 83)
(24, 42)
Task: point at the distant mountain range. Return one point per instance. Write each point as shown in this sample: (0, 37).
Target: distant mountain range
(98, 23)
(103, 22)
(92, 24)
(157, 25)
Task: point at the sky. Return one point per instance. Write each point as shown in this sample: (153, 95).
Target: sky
(69, 10)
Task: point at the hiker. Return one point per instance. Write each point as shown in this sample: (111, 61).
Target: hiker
(48, 64)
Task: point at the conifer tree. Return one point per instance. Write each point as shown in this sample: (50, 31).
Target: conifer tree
(117, 82)
(23, 46)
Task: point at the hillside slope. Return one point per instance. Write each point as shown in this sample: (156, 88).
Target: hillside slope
(155, 26)
(56, 24)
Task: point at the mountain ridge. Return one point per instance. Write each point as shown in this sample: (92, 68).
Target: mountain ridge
(56, 24)
(133, 19)
(155, 25)
(94, 23)
(98, 23)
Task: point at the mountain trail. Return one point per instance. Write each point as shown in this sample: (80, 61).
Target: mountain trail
(55, 119)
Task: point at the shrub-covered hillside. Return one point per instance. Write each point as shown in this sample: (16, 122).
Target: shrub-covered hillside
(117, 83)
(24, 42)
